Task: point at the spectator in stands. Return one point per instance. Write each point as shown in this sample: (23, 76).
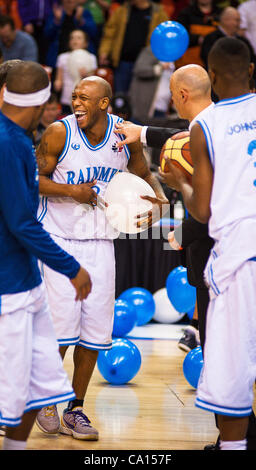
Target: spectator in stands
(16, 44)
(63, 19)
(125, 34)
(33, 15)
(149, 92)
(64, 79)
(229, 26)
(247, 12)
(10, 8)
(51, 114)
(99, 10)
(200, 19)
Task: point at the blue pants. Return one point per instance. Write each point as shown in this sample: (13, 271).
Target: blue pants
(123, 76)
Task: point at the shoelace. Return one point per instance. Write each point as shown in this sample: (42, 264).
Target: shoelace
(49, 411)
(80, 417)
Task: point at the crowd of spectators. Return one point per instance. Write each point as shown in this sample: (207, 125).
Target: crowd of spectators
(111, 38)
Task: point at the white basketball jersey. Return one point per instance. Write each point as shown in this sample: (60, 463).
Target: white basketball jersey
(230, 132)
(81, 162)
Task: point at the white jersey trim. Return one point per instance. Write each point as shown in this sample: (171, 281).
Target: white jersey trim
(67, 141)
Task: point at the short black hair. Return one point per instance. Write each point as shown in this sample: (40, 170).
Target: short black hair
(4, 69)
(230, 57)
(26, 77)
(4, 20)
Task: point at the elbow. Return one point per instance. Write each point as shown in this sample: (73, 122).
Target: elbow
(202, 216)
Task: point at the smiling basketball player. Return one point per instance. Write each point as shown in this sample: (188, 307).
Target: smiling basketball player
(77, 158)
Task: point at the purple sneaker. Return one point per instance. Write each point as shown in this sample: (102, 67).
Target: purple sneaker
(75, 423)
(48, 420)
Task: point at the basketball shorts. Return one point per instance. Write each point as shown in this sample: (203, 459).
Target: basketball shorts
(31, 370)
(88, 323)
(228, 375)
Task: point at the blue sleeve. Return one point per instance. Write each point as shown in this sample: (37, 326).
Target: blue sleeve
(89, 26)
(16, 204)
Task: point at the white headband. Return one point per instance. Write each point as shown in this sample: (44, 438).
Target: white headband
(30, 99)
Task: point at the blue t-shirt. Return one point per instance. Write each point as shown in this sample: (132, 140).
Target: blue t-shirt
(24, 47)
(22, 238)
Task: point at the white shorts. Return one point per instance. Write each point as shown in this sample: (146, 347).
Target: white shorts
(31, 369)
(228, 375)
(88, 323)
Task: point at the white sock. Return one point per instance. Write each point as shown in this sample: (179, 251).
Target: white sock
(233, 445)
(11, 444)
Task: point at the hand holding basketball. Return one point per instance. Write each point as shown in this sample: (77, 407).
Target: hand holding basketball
(173, 177)
(175, 160)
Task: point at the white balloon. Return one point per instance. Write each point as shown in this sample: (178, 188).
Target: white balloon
(165, 311)
(124, 202)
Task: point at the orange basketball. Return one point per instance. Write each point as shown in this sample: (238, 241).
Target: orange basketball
(177, 149)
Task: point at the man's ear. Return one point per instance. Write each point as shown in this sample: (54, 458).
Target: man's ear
(184, 94)
(212, 76)
(251, 69)
(104, 103)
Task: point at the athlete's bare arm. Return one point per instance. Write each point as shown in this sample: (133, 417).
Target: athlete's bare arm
(139, 166)
(48, 152)
(196, 197)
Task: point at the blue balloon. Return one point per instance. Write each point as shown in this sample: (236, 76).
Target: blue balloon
(143, 302)
(124, 318)
(169, 41)
(120, 364)
(190, 313)
(181, 294)
(192, 366)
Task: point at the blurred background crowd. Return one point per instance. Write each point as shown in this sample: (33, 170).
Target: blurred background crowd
(111, 38)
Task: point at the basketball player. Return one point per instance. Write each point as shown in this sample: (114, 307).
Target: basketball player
(77, 158)
(4, 68)
(191, 95)
(223, 151)
(28, 346)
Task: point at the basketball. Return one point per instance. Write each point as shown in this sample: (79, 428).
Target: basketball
(177, 149)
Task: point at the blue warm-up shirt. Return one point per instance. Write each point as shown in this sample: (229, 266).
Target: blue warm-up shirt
(22, 238)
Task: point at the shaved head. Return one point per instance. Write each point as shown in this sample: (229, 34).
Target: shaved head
(103, 87)
(26, 77)
(230, 58)
(190, 87)
(193, 78)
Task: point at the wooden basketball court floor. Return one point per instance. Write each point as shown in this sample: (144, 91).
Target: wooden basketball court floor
(154, 411)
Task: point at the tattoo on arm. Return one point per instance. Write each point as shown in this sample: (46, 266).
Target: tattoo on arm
(41, 156)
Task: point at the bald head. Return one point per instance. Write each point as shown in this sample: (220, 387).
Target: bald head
(194, 79)
(230, 20)
(26, 77)
(102, 86)
(191, 90)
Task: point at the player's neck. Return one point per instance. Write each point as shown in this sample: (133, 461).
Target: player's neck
(20, 117)
(96, 133)
(233, 92)
(196, 108)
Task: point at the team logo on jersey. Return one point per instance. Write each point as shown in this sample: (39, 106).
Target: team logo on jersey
(75, 146)
(116, 149)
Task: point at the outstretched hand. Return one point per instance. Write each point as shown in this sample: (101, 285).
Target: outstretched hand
(131, 131)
